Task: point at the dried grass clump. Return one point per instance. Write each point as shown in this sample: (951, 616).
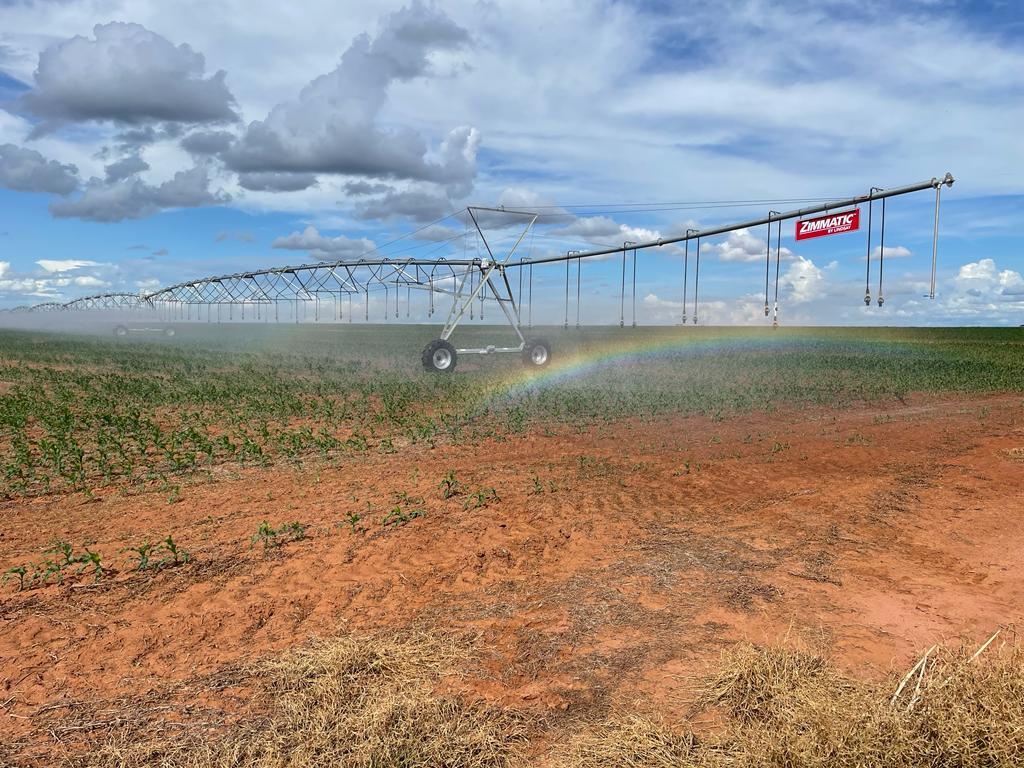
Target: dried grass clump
(630, 740)
(352, 703)
(782, 707)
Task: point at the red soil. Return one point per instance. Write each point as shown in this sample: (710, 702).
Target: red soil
(652, 547)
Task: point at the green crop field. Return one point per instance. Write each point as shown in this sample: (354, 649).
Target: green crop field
(76, 411)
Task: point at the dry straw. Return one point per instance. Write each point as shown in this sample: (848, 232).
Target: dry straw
(374, 702)
(783, 707)
(349, 703)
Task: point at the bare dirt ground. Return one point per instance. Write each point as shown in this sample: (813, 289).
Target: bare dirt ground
(615, 565)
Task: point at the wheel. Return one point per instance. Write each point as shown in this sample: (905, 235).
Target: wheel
(120, 331)
(536, 353)
(439, 356)
(168, 332)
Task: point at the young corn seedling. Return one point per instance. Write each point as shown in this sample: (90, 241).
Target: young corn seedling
(406, 508)
(398, 516)
(451, 486)
(95, 560)
(142, 553)
(175, 555)
(17, 572)
(49, 568)
(481, 498)
(272, 538)
(353, 522)
(65, 550)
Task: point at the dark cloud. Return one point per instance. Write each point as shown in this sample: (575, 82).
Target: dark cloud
(132, 139)
(415, 205)
(356, 188)
(125, 74)
(332, 126)
(338, 248)
(138, 247)
(25, 170)
(207, 142)
(132, 198)
(161, 252)
(122, 169)
(276, 181)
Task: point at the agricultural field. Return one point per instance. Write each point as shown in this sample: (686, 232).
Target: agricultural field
(291, 546)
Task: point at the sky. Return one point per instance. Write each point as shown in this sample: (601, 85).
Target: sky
(145, 143)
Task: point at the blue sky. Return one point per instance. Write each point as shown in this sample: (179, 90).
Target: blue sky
(140, 148)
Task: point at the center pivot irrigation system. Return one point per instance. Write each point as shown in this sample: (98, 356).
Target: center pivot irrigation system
(485, 278)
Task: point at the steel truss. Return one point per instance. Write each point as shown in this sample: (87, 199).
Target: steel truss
(465, 281)
(328, 282)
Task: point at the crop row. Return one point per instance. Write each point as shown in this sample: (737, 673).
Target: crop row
(76, 411)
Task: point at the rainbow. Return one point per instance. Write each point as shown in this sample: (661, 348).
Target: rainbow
(633, 349)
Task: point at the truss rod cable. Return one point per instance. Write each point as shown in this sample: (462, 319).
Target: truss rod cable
(794, 214)
(881, 255)
(655, 205)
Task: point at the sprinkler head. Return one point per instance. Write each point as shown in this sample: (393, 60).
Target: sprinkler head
(881, 301)
(867, 299)
(766, 310)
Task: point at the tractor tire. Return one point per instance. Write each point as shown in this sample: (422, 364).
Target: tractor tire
(536, 353)
(439, 356)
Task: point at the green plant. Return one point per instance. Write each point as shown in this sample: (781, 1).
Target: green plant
(538, 488)
(142, 553)
(18, 571)
(95, 560)
(481, 498)
(271, 537)
(175, 555)
(65, 550)
(398, 516)
(353, 519)
(451, 486)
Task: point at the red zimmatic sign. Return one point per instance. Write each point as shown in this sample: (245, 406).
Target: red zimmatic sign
(831, 224)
